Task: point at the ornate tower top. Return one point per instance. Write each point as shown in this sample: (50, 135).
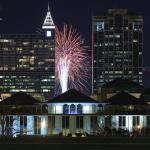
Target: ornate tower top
(48, 22)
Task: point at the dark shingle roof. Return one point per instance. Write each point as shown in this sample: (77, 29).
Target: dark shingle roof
(19, 98)
(123, 98)
(146, 92)
(123, 85)
(72, 96)
(145, 96)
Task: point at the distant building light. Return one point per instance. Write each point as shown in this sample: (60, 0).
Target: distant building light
(135, 41)
(48, 34)
(99, 26)
(48, 27)
(117, 36)
(43, 123)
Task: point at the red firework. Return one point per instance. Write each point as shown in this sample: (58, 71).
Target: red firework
(71, 60)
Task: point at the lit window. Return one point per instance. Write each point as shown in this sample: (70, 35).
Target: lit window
(4, 40)
(25, 43)
(117, 36)
(45, 90)
(48, 34)
(86, 109)
(13, 68)
(135, 41)
(100, 26)
(66, 109)
(79, 109)
(58, 109)
(52, 77)
(72, 108)
(31, 68)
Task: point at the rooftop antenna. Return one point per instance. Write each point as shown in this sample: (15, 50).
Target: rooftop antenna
(48, 7)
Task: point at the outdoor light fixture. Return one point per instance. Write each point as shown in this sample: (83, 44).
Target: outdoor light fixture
(138, 127)
(43, 123)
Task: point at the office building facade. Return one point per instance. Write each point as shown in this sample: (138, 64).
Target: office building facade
(27, 62)
(117, 47)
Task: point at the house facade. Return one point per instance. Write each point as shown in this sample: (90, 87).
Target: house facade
(71, 113)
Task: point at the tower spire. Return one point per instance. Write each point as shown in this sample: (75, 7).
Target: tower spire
(48, 7)
(48, 22)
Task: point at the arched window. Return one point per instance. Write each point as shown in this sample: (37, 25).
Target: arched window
(72, 108)
(79, 109)
(65, 109)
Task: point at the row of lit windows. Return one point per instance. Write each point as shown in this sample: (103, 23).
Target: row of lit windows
(72, 109)
(100, 26)
(27, 78)
(119, 72)
(21, 49)
(26, 90)
(24, 66)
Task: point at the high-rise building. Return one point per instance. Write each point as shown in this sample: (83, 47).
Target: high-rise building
(117, 44)
(27, 62)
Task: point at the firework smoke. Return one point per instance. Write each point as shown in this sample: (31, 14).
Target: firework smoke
(71, 60)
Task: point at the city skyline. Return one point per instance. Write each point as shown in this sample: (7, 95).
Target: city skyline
(74, 69)
(76, 13)
(33, 18)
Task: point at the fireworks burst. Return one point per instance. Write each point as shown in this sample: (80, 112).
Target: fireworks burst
(71, 61)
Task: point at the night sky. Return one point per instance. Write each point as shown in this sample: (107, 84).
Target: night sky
(25, 16)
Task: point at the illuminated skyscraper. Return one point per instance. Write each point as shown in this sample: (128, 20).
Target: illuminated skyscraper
(27, 62)
(117, 47)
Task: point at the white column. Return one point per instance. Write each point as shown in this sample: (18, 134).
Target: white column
(127, 122)
(143, 121)
(1, 120)
(30, 125)
(72, 124)
(115, 121)
(130, 123)
(100, 120)
(87, 124)
(58, 124)
(16, 125)
(44, 125)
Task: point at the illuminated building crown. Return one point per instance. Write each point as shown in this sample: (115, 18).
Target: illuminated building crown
(48, 22)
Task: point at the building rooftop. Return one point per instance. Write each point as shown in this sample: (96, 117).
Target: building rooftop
(112, 12)
(146, 91)
(72, 96)
(145, 96)
(123, 98)
(19, 98)
(119, 84)
(48, 22)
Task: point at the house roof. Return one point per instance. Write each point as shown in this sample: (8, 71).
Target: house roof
(120, 84)
(123, 98)
(146, 92)
(19, 98)
(72, 96)
(145, 96)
